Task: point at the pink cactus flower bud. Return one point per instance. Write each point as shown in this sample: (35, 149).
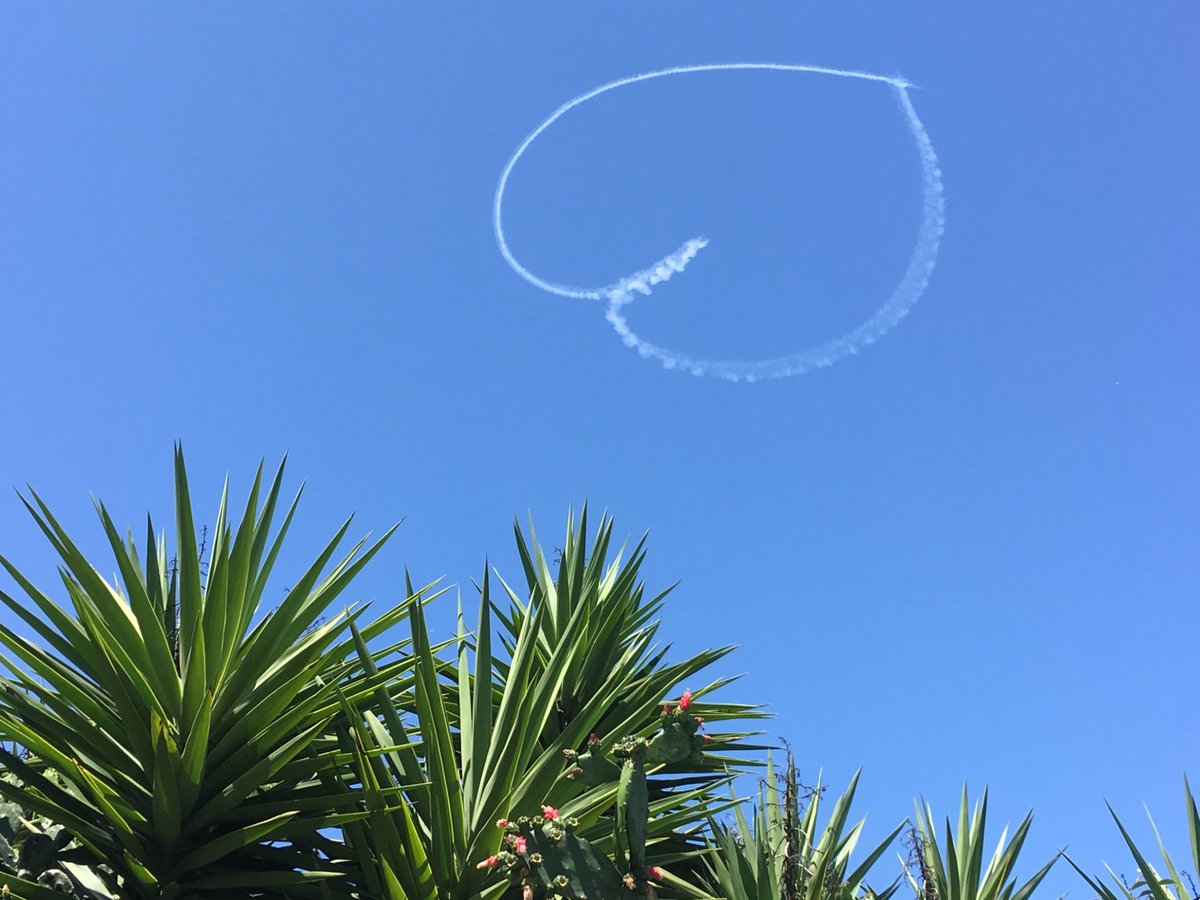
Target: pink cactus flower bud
(592, 739)
(550, 813)
(656, 873)
(502, 823)
(667, 709)
(519, 846)
(490, 863)
(685, 701)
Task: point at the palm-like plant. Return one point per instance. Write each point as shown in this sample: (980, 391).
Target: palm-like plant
(572, 663)
(184, 743)
(1150, 882)
(787, 853)
(960, 874)
(184, 740)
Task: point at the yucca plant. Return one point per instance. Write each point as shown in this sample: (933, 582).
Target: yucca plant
(183, 736)
(787, 852)
(957, 872)
(572, 665)
(1173, 884)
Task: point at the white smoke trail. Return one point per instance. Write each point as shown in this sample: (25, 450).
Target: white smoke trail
(622, 292)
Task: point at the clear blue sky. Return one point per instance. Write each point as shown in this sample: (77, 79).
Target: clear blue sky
(967, 552)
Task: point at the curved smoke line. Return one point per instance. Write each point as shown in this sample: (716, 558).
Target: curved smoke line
(623, 291)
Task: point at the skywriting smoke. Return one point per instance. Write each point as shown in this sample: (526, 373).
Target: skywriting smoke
(622, 292)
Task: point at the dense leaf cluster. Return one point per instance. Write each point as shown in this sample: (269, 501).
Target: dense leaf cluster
(167, 734)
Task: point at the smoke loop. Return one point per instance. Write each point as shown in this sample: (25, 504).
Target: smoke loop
(622, 292)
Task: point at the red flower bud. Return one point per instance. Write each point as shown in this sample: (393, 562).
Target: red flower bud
(685, 701)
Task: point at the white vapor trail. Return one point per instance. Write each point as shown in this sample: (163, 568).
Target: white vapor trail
(622, 292)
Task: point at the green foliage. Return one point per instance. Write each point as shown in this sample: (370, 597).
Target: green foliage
(545, 857)
(570, 664)
(195, 744)
(179, 736)
(1151, 883)
(787, 853)
(164, 734)
(960, 873)
(557, 863)
(41, 859)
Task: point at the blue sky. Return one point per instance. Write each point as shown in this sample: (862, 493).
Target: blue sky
(968, 552)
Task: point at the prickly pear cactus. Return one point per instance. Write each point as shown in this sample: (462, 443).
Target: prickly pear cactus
(544, 856)
(678, 740)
